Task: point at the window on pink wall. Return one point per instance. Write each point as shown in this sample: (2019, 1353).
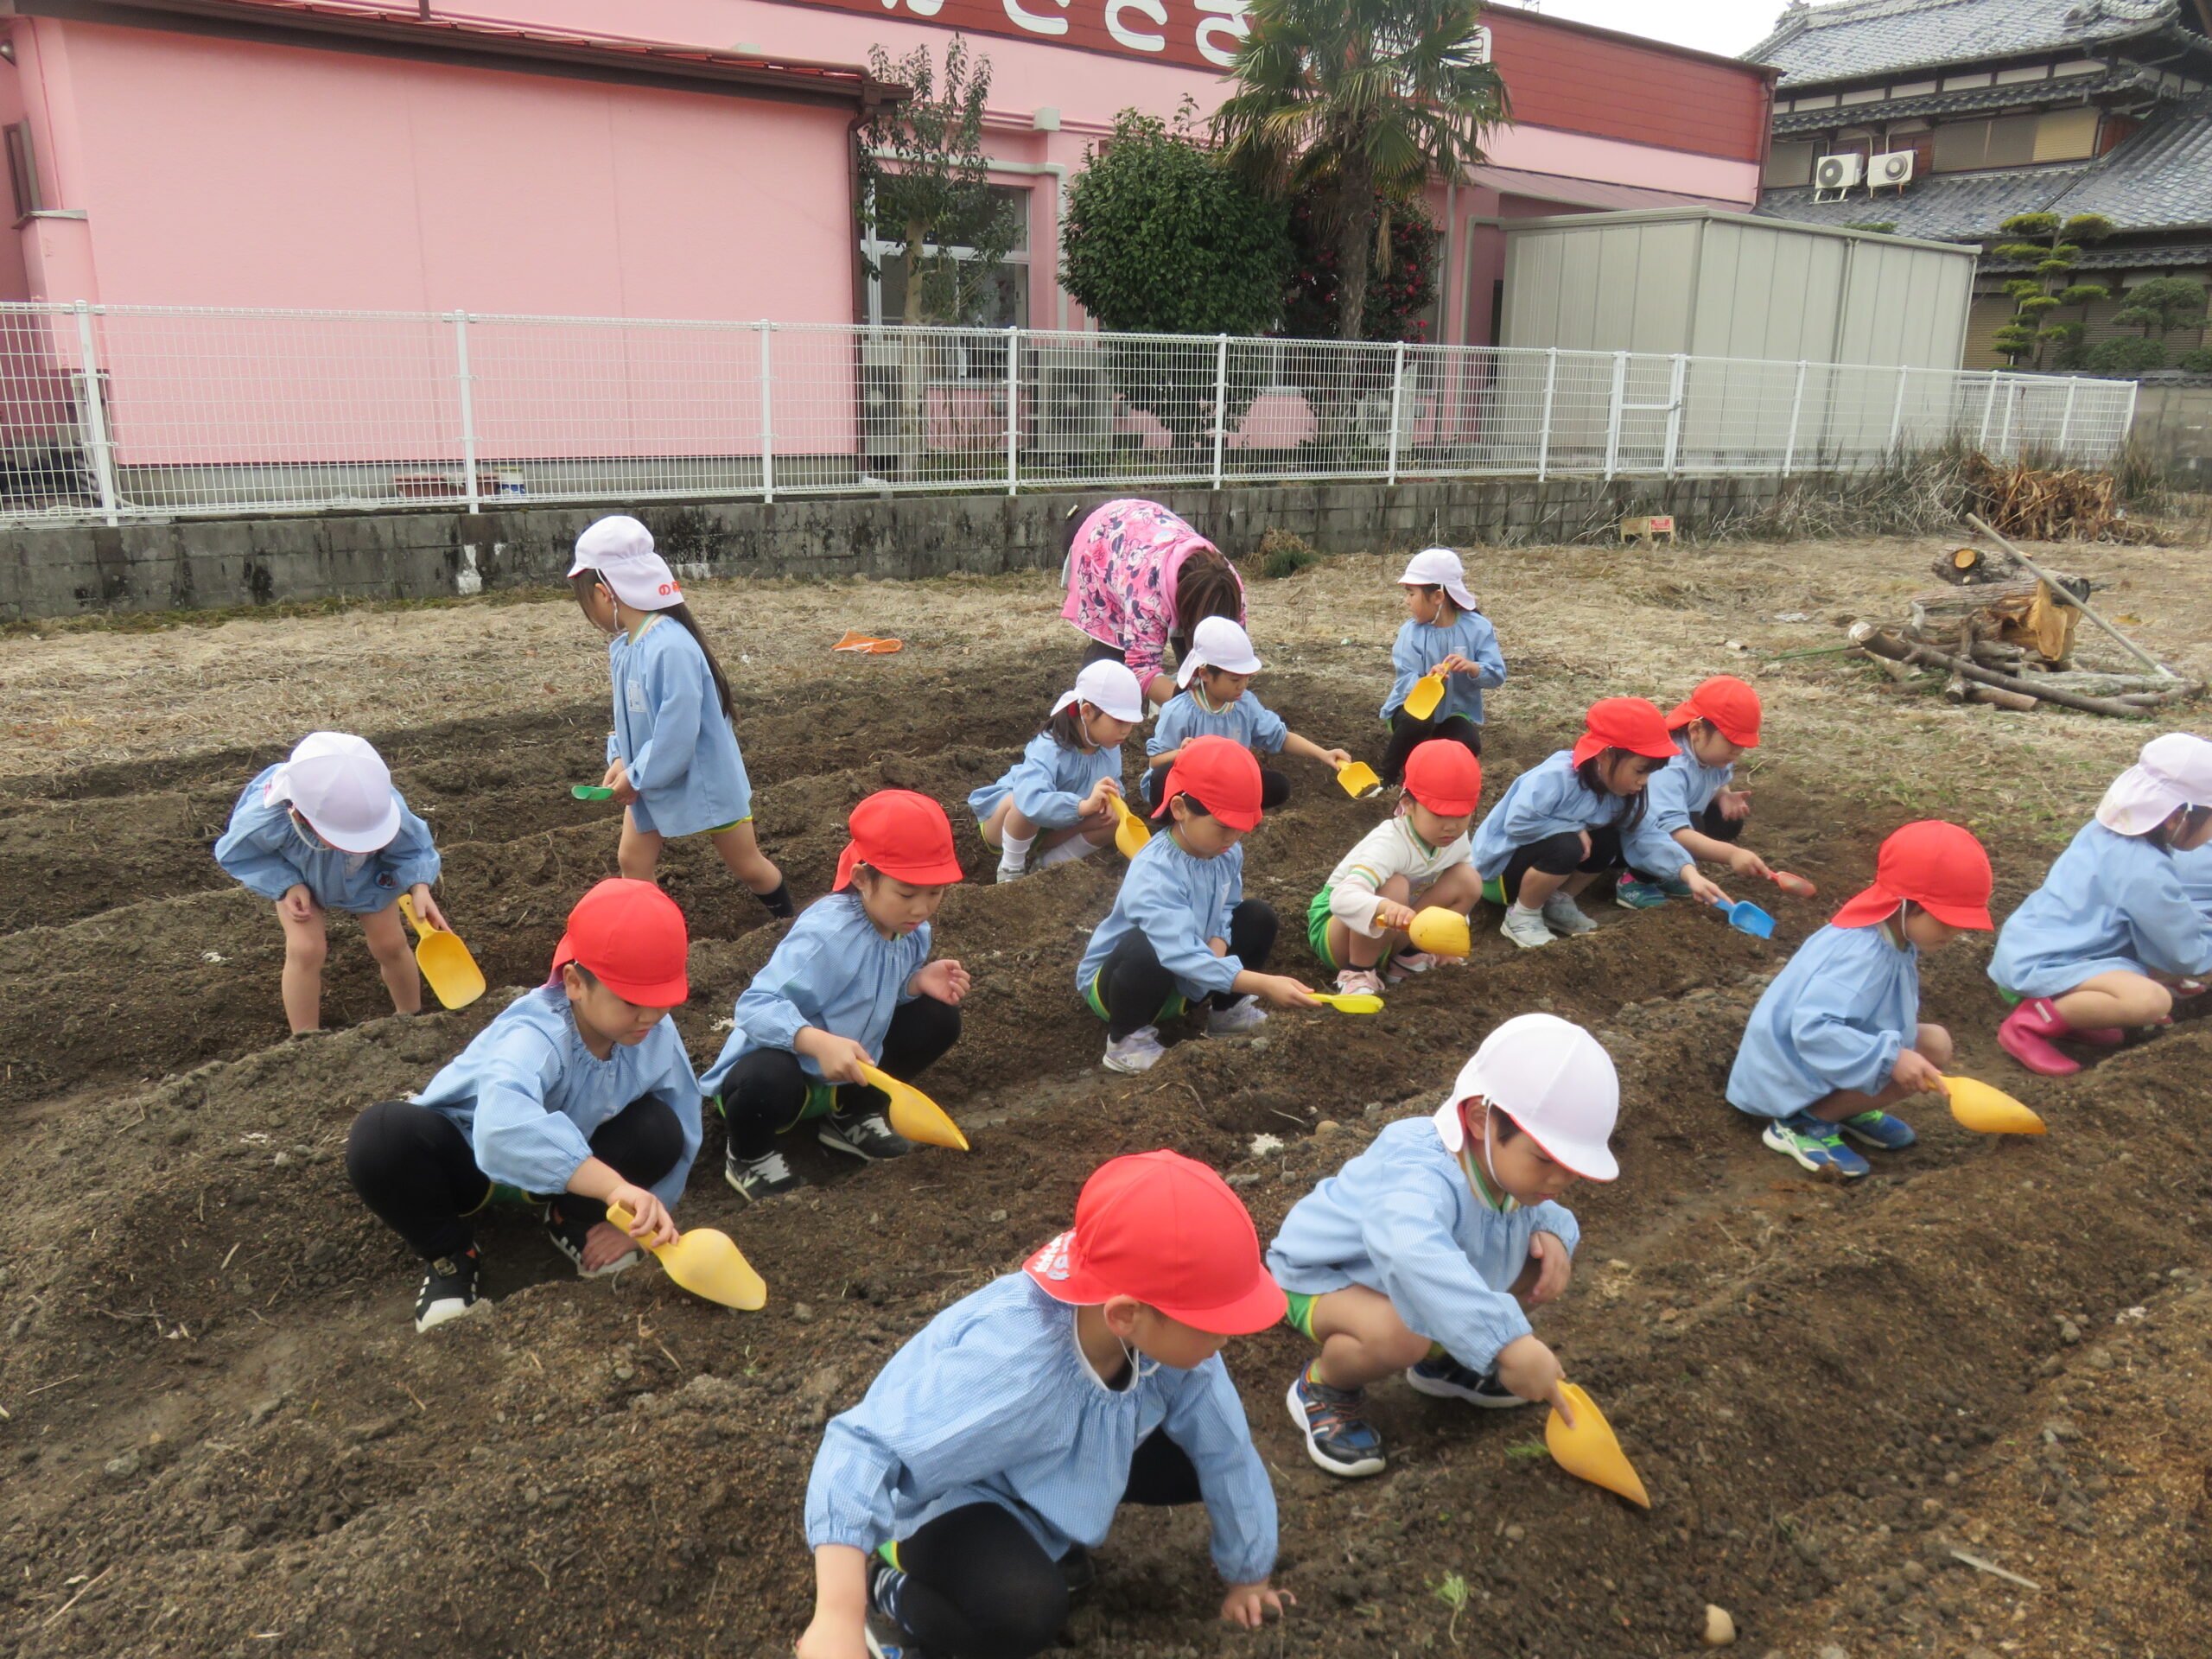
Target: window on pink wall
(22, 171)
(1006, 301)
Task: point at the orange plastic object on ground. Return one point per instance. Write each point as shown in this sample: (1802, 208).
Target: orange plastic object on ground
(867, 644)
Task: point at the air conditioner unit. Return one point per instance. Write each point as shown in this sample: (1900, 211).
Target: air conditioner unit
(1893, 168)
(1833, 175)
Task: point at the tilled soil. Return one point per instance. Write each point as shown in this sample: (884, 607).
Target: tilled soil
(222, 1437)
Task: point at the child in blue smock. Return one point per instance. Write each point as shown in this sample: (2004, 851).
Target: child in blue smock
(1181, 930)
(2087, 952)
(579, 1094)
(850, 985)
(1576, 816)
(952, 1510)
(1443, 633)
(1693, 800)
(1837, 1040)
(1426, 1251)
(672, 760)
(325, 830)
(1217, 701)
(1057, 791)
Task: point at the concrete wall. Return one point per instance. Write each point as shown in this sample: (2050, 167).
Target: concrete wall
(2173, 429)
(218, 564)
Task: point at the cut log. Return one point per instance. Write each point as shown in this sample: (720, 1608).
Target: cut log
(2019, 613)
(2090, 684)
(1865, 635)
(2018, 701)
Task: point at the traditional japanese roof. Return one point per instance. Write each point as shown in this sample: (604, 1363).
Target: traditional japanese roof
(1858, 39)
(1965, 100)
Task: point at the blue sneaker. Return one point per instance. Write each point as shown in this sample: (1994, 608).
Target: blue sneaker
(1445, 1378)
(1818, 1145)
(887, 1637)
(1337, 1437)
(1632, 895)
(1878, 1130)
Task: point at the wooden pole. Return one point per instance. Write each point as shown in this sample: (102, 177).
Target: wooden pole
(2061, 595)
(1873, 639)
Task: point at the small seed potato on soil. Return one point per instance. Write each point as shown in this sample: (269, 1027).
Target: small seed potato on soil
(221, 1436)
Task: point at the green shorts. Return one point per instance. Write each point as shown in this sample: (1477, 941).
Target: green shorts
(732, 824)
(820, 1100)
(1176, 1005)
(1317, 936)
(1299, 1315)
(1494, 889)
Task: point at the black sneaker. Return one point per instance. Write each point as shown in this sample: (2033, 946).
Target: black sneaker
(569, 1229)
(448, 1290)
(1079, 1568)
(887, 1637)
(760, 1178)
(865, 1134)
(1445, 1378)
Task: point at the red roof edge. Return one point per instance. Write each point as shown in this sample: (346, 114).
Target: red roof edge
(1765, 71)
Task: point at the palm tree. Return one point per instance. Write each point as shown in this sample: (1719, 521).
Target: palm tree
(1346, 98)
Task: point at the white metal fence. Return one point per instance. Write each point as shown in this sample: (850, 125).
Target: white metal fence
(123, 412)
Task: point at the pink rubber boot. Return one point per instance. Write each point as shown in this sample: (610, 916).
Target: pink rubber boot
(2026, 1036)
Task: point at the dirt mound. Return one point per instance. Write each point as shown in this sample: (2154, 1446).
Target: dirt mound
(222, 1438)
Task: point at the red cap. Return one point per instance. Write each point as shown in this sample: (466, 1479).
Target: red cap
(1223, 776)
(1444, 777)
(904, 835)
(1631, 723)
(631, 935)
(1725, 703)
(1940, 866)
(1167, 1231)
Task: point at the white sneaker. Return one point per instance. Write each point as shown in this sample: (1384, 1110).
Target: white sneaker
(1359, 981)
(1012, 871)
(1524, 927)
(1564, 917)
(1137, 1053)
(1243, 1015)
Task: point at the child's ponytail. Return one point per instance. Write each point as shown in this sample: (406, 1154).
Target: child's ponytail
(583, 581)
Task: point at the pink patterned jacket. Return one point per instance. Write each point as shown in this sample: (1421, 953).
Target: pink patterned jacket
(1121, 572)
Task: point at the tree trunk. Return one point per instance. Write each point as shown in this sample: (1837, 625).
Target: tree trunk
(1354, 254)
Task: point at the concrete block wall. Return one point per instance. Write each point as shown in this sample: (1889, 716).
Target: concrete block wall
(221, 563)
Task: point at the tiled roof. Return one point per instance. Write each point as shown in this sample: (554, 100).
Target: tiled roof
(2165, 256)
(2069, 89)
(2159, 179)
(1815, 44)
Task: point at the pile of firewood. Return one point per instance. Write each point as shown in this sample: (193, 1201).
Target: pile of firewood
(2068, 505)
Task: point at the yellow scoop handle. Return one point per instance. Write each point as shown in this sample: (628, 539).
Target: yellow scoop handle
(707, 1263)
(451, 972)
(1428, 692)
(1988, 1110)
(1130, 836)
(1350, 1001)
(915, 1115)
(1590, 1451)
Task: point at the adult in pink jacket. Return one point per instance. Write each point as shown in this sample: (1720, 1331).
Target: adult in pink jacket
(1140, 579)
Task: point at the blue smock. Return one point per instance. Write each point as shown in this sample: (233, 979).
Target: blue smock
(993, 1402)
(1048, 783)
(2195, 870)
(1683, 788)
(1401, 1220)
(1549, 800)
(1179, 902)
(1837, 1017)
(1247, 721)
(1420, 646)
(833, 971)
(271, 855)
(671, 735)
(2110, 903)
(529, 1095)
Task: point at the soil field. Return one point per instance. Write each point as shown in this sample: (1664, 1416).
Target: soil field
(221, 1437)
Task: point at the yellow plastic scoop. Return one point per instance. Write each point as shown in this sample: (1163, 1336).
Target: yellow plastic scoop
(1359, 780)
(1441, 932)
(915, 1115)
(1131, 835)
(1350, 1001)
(1589, 1451)
(707, 1263)
(454, 976)
(1989, 1111)
(1428, 691)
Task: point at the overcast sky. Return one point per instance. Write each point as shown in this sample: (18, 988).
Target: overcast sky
(1729, 27)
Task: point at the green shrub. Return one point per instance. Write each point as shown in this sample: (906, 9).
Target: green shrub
(2127, 355)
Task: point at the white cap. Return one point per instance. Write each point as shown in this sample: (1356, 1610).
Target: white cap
(342, 788)
(1109, 686)
(2173, 771)
(1439, 567)
(621, 550)
(1552, 1078)
(1216, 642)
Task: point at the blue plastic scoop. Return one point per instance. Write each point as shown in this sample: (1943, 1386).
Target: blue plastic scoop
(1747, 918)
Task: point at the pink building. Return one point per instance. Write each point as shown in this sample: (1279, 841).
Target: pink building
(408, 156)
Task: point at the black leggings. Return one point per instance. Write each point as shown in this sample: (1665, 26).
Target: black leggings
(1134, 987)
(765, 1092)
(1275, 788)
(1407, 734)
(978, 1586)
(1562, 854)
(413, 1168)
